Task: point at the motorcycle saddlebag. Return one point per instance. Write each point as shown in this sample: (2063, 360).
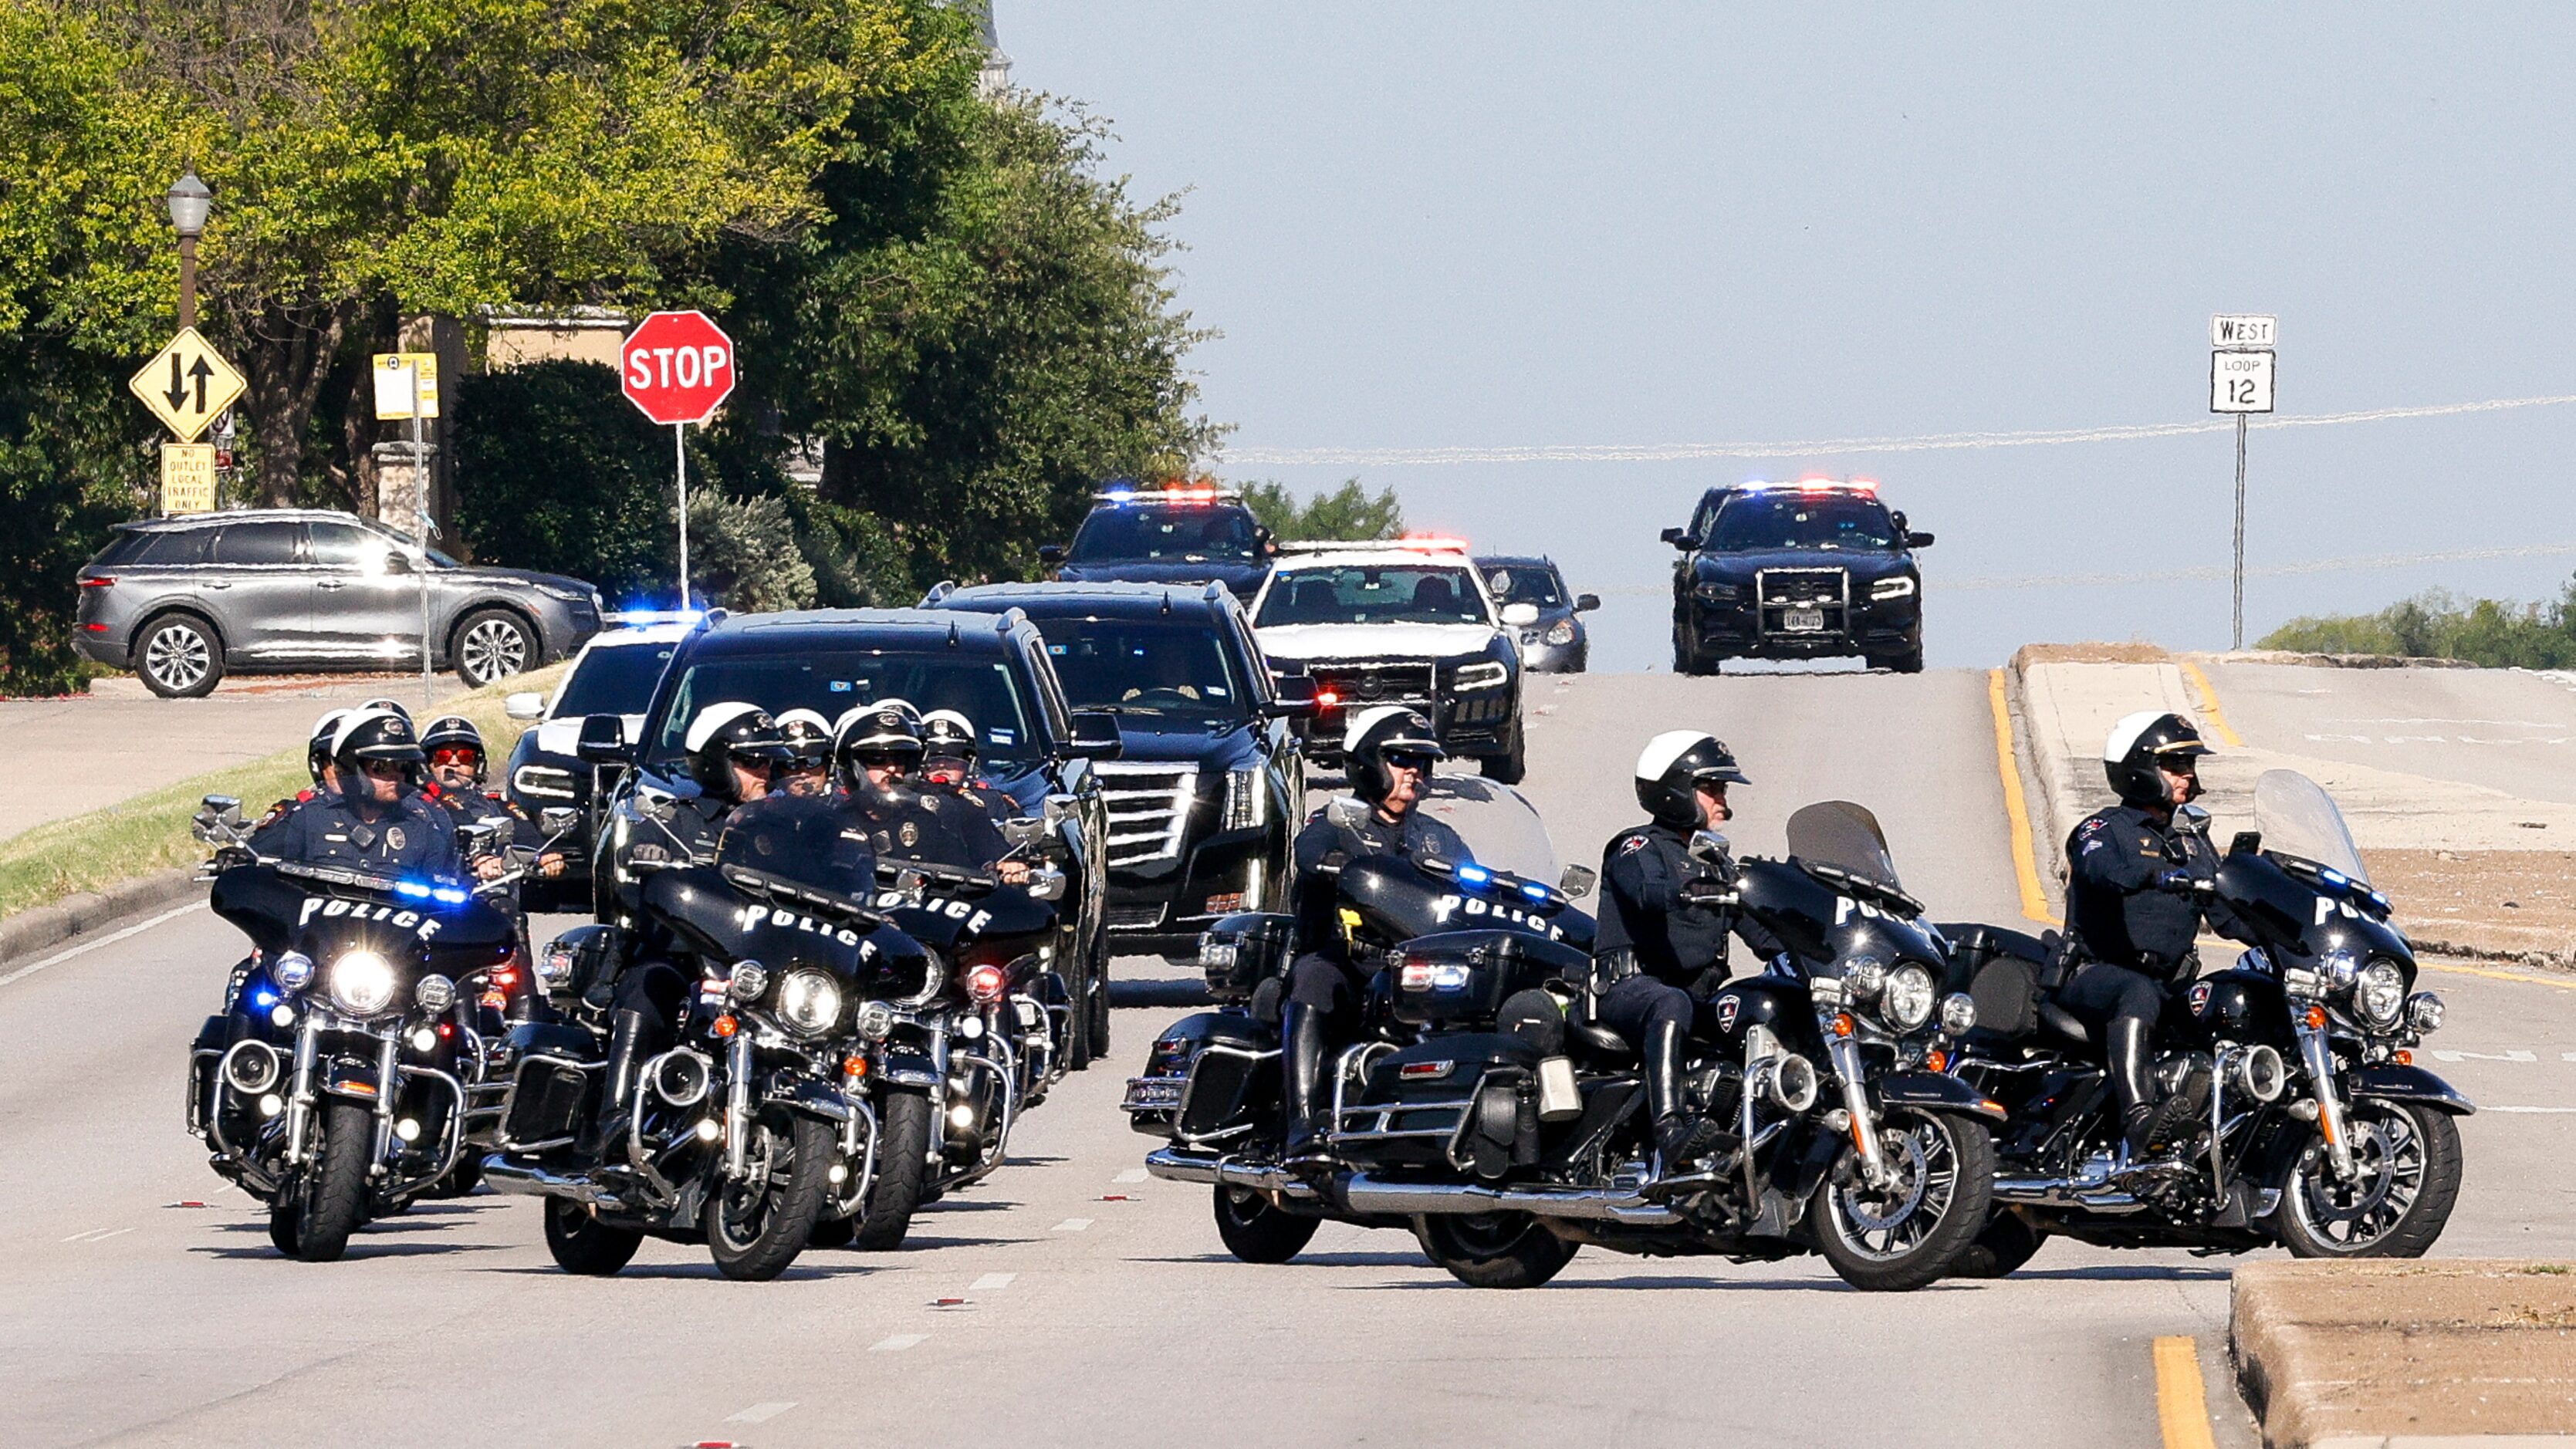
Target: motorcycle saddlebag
(2001, 972)
(1464, 1094)
(552, 1088)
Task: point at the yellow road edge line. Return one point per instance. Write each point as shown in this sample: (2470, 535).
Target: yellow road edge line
(2209, 707)
(2568, 984)
(2182, 1401)
(2034, 896)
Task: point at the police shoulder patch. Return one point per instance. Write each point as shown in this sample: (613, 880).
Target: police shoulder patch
(1632, 844)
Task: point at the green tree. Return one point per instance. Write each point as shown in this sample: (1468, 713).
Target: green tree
(566, 476)
(2438, 625)
(1349, 511)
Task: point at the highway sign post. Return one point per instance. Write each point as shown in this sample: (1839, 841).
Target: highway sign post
(2240, 382)
(186, 384)
(407, 388)
(678, 368)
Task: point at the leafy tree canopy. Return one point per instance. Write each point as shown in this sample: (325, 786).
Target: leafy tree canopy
(1349, 511)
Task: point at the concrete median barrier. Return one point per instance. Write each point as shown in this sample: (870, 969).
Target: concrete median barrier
(2342, 1355)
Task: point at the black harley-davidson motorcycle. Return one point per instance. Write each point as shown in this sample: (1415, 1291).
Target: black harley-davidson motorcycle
(335, 1084)
(759, 1123)
(1491, 1113)
(2312, 1126)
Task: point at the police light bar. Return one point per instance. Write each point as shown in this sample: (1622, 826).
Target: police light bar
(645, 618)
(1815, 483)
(1195, 493)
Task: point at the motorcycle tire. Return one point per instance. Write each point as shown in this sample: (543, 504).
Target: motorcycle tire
(1100, 1000)
(1077, 1027)
(903, 1171)
(460, 1181)
(1916, 1254)
(2007, 1242)
(583, 1244)
(790, 1205)
(1256, 1232)
(1493, 1250)
(320, 1212)
(832, 1233)
(2425, 1146)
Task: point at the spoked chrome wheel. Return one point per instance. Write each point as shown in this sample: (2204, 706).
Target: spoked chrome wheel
(494, 646)
(1907, 1231)
(177, 658)
(2406, 1175)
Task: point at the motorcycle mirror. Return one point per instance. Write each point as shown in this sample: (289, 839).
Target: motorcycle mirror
(659, 811)
(226, 808)
(1577, 881)
(2247, 842)
(558, 820)
(912, 885)
(1346, 811)
(2194, 818)
(1708, 845)
(1021, 832)
(602, 740)
(478, 838)
(1046, 884)
(1059, 809)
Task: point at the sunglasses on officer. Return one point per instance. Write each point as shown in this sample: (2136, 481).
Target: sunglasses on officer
(456, 755)
(1416, 760)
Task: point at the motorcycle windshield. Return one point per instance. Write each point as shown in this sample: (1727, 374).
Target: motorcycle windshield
(803, 841)
(1845, 836)
(2299, 819)
(1498, 823)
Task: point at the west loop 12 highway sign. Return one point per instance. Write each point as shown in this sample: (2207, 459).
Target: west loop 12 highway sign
(186, 384)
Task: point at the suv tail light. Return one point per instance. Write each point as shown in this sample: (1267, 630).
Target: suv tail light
(99, 581)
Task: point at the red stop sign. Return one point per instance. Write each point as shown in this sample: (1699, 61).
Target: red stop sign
(677, 367)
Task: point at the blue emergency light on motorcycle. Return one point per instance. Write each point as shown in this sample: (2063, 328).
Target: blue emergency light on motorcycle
(1475, 875)
(424, 891)
(1533, 890)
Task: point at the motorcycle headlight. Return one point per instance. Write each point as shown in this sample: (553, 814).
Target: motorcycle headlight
(292, 970)
(2424, 1011)
(1865, 975)
(361, 983)
(1562, 633)
(2380, 994)
(809, 1002)
(1907, 1003)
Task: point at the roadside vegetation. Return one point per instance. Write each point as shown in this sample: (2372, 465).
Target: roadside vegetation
(149, 832)
(942, 302)
(1349, 511)
(2496, 633)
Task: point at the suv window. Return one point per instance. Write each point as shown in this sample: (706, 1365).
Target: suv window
(1803, 520)
(260, 543)
(831, 681)
(616, 679)
(345, 545)
(166, 548)
(1374, 594)
(1139, 667)
(1176, 534)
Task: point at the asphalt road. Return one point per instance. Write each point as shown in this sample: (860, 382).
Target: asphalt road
(1097, 1304)
(2506, 729)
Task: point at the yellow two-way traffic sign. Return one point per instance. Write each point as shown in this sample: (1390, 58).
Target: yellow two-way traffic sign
(186, 384)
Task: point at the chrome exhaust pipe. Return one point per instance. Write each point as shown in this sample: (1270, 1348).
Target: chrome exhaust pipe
(1366, 1194)
(2087, 1194)
(527, 1179)
(252, 1067)
(1176, 1164)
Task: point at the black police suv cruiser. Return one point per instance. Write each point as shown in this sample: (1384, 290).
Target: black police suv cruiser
(992, 668)
(1807, 570)
(1210, 787)
(1180, 535)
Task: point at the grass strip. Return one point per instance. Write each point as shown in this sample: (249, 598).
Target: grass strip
(149, 832)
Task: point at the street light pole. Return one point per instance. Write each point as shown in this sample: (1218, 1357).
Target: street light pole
(190, 199)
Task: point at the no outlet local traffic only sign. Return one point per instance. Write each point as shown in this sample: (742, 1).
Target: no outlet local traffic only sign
(678, 368)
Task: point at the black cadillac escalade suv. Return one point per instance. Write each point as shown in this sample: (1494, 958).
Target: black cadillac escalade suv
(1209, 788)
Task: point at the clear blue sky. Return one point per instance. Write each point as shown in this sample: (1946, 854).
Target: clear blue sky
(1489, 224)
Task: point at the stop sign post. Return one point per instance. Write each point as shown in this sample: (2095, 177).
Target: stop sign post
(677, 367)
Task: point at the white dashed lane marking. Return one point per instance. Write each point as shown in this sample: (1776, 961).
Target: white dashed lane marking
(2552, 1111)
(98, 1235)
(991, 1283)
(1073, 1225)
(896, 1343)
(759, 1413)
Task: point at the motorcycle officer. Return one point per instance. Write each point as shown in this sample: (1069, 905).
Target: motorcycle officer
(2135, 891)
(809, 735)
(948, 773)
(1388, 752)
(317, 763)
(905, 815)
(1660, 947)
(375, 820)
(456, 765)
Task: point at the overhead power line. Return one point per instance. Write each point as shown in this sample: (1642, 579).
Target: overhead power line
(1809, 447)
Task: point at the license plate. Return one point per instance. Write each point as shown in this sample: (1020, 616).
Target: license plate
(1804, 621)
(1153, 1094)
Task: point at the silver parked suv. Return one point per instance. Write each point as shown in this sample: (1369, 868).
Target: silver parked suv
(182, 600)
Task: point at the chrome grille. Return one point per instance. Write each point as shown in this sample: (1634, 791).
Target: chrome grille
(1149, 809)
(1392, 682)
(1804, 586)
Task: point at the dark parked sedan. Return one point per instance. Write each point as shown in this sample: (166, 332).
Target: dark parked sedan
(183, 600)
(1558, 642)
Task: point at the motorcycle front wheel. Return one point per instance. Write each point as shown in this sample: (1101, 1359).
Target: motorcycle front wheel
(313, 1218)
(582, 1244)
(1493, 1250)
(758, 1224)
(1256, 1232)
(903, 1171)
(2406, 1177)
(1913, 1229)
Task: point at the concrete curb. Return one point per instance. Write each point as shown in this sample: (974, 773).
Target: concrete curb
(2047, 836)
(2339, 1355)
(30, 933)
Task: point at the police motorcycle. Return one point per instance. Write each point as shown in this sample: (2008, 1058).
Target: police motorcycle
(336, 1086)
(759, 1123)
(957, 1062)
(1508, 1127)
(2310, 1125)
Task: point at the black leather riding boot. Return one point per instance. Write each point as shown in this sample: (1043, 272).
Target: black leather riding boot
(617, 1097)
(1301, 1063)
(2125, 1045)
(1680, 1136)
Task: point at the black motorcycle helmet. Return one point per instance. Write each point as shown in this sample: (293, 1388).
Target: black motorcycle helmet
(948, 737)
(2139, 745)
(317, 748)
(888, 729)
(367, 735)
(455, 732)
(809, 735)
(728, 731)
(1389, 729)
(1673, 767)
(389, 706)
